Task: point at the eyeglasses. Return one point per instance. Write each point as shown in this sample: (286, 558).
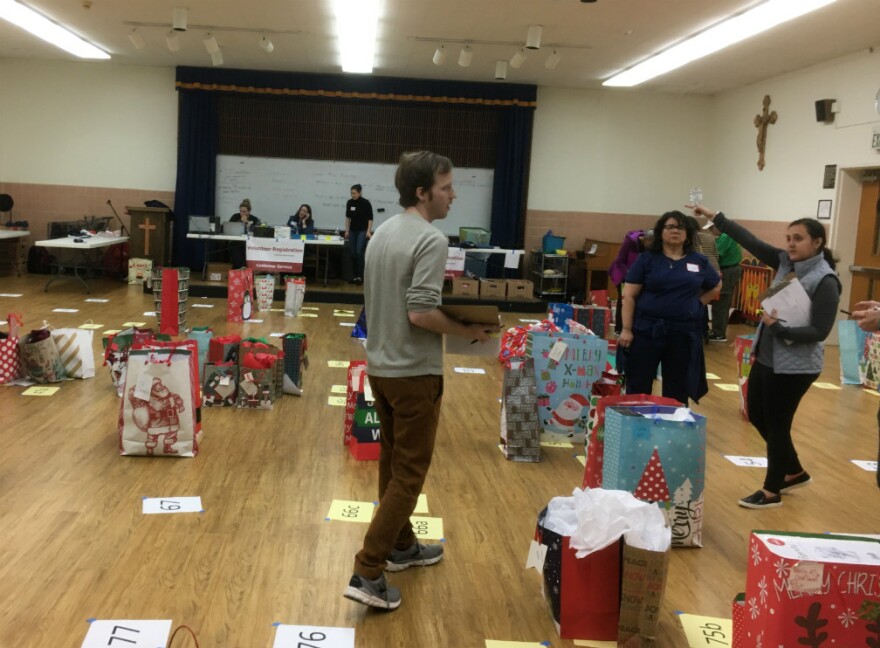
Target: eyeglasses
(670, 228)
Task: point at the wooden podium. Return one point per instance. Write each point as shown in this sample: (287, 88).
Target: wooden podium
(150, 234)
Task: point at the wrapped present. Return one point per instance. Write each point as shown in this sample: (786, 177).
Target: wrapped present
(240, 295)
(659, 459)
(742, 347)
(10, 354)
(220, 388)
(566, 366)
(520, 427)
(814, 590)
(159, 413)
(75, 349)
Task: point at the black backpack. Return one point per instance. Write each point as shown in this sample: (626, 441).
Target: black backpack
(38, 260)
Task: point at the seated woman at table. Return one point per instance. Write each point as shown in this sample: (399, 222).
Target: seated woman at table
(302, 221)
(237, 250)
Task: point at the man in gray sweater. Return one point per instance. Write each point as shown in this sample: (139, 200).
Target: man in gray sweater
(403, 281)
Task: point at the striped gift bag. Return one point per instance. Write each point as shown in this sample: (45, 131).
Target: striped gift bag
(75, 348)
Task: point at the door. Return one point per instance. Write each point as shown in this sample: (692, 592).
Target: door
(866, 280)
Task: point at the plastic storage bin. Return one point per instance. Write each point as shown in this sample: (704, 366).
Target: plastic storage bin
(475, 235)
(552, 243)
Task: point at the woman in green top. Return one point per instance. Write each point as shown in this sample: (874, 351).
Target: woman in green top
(729, 257)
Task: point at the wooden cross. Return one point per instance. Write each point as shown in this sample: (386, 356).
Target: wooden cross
(761, 122)
(149, 228)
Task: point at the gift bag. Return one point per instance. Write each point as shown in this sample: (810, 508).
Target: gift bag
(566, 366)
(10, 354)
(158, 413)
(193, 348)
(170, 309)
(40, 359)
(256, 388)
(294, 346)
(583, 593)
(265, 287)
(595, 318)
(271, 357)
(595, 436)
(659, 460)
(560, 314)
(742, 347)
(294, 294)
(357, 369)
(239, 295)
(116, 350)
(872, 361)
(220, 388)
(75, 349)
(360, 326)
(852, 348)
(643, 584)
(223, 348)
(738, 621)
(202, 335)
(520, 427)
(365, 432)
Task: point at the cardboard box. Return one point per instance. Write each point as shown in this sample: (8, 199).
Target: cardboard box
(218, 272)
(520, 289)
(801, 587)
(465, 287)
(493, 289)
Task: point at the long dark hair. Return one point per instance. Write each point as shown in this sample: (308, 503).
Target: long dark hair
(689, 229)
(816, 230)
(308, 209)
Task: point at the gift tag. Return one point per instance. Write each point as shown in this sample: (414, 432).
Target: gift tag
(225, 379)
(349, 511)
(537, 556)
(249, 386)
(704, 631)
(40, 390)
(65, 310)
(467, 370)
(427, 528)
(144, 386)
(749, 462)
(157, 505)
(558, 351)
(806, 577)
(290, 636)
(139, 633)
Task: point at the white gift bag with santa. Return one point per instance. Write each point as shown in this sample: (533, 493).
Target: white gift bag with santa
(158, 413)
(566, 366)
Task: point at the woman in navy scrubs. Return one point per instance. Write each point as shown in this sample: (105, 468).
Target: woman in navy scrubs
(663, 299)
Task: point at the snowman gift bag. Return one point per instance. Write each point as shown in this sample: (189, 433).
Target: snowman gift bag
(240, 295)
(658, 453)
(566, 366)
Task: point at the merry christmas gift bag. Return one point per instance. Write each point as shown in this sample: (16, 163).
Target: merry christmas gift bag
(814, 590)
(158, 411)
(295, 362)
(658, 453)
(566, 366)
(220, 388)
(294, 293)
(240, 295)
(10, 354)
(520, 427)
(75, 348)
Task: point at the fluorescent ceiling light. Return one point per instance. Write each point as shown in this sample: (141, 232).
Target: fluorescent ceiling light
(733, 30)
(357, 23)
(51, 32)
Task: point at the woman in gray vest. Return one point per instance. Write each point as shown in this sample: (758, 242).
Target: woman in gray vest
(787, 360)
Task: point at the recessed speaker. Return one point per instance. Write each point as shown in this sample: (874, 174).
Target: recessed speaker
(823, 111)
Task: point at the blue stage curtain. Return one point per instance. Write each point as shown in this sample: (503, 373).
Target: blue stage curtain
(197, 140)
(198, 137)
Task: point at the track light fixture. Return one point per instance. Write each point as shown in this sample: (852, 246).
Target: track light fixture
(533, 37)
(178, 19)
(440, 55)
(266, 44)
(172, 41)
(211, 43)
(500, 70)
(217, 57)
(518, 58)
(464, 58)
(552, 60)
(136, 39)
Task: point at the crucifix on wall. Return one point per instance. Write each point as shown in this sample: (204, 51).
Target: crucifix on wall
(761, 122)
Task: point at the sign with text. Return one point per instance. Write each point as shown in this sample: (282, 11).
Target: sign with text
(291, 636)
(156, 505)
(455, 262)
(270, 255)
(138, 633)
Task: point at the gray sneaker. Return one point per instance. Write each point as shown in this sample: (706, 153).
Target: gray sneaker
(419, 555)
(375, 593)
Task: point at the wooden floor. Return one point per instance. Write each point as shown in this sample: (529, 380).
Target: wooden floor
(76, 546)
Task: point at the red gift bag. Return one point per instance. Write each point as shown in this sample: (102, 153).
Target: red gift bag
(169, 317)
(223, 348)
(357, 369)
(240, 295)
(583, 593)
(595, 437)
(10, 355)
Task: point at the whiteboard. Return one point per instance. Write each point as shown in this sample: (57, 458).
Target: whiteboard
(276, 187)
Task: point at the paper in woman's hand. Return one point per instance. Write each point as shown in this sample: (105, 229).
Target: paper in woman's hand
(791, 303)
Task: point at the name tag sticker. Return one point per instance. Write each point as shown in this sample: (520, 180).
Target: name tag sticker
(693, 267)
